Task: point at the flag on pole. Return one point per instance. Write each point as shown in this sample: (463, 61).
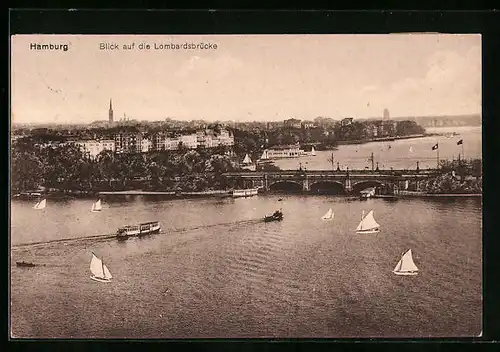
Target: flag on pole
(434, 147)
(460, 142)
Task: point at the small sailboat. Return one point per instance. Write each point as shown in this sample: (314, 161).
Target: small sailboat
(406, 266)
(411, 149)
(264, 155)
(41, 204)
(247, 159)
(96, 206)
(368, 224)
(99, 270)
(329, 215)
(313, 152)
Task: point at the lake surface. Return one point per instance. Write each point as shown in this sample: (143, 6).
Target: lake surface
(217, 270)
(402, 154)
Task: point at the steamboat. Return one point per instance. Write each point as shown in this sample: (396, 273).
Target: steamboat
(146, 228)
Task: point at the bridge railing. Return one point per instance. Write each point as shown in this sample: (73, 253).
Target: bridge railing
(312, 173)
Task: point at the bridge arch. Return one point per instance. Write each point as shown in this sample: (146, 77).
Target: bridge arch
(327, 187)
(287, 186)
(361, 185)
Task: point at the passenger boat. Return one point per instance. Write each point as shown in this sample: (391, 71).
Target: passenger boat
(139, 230)
(245, 192)
(277, 216)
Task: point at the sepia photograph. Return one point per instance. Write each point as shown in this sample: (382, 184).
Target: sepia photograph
(245, 186)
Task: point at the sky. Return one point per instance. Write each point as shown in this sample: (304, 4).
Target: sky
(246, 78)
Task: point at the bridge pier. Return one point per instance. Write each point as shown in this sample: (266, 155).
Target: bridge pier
(305, 185)
(347, 185)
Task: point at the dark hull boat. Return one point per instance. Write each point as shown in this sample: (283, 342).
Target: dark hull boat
(25, 264)
(275, 217)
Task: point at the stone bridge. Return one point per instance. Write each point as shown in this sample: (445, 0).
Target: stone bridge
(323, 181)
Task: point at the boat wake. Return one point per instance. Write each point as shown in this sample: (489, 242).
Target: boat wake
(106, 237)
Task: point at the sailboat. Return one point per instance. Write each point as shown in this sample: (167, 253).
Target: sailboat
(406, 266)
(368, 224)
(264, 155)
(96, 206)
(411, 149)
(99, 270)
(313, 152)
(329, 215)
(247, 159)
(41, 204)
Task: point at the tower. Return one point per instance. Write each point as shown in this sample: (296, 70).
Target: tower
(110, 112)
(386, 114)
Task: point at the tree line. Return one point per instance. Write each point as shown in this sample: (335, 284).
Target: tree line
(65, 167)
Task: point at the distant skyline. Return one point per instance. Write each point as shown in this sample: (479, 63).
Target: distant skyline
(247, 78)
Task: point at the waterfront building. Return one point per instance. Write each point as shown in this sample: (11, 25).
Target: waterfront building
(93, 147)
(146, 145)
(225, 138)
(286, 151)
(128, 142)
(172, 143)
(206, 139)
(292, 123)
(189, 141)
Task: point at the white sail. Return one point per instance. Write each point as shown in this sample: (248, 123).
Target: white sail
(97, 206)
(41, 204)
(107, 274)
(411, 149)
(96, 267)
(329, 215)
(368, 222)
(405, 264)
(264, 155)
(313, 152)
(247, 159)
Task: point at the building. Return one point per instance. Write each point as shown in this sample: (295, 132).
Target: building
(308, 124)
(128, 142)
(292, 123)
(346, 121)
(110, 112)
(146, 145)
(386, 114)
(286, 151)
(189, 141)
(225, 138)
(93, 147)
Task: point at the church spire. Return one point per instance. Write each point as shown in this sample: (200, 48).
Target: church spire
(110, 111)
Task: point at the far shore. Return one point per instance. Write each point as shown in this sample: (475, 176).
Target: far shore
(421, 194)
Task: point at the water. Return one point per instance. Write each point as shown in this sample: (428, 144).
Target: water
(218, 271)
(399, 156)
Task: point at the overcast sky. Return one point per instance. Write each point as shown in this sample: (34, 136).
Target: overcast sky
(270, 77)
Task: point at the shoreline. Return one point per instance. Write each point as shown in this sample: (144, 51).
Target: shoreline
(383, 139)
(418, 194)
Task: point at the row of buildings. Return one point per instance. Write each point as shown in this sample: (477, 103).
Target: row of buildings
(138, 142)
